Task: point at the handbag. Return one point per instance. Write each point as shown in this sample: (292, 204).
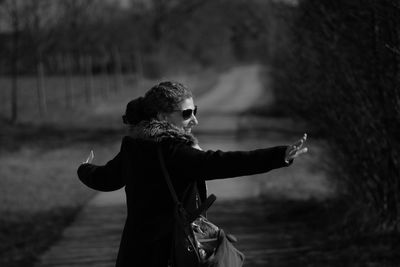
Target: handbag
(196, 242)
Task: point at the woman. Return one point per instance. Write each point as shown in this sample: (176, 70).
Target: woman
(163, 118)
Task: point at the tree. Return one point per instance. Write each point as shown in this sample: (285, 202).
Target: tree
(38, 27)
(12, 10)
(340, 74)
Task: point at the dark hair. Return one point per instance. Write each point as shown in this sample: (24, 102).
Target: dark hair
(135, 111)
(163, 97)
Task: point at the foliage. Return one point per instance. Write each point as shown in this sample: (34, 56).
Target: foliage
(339, 70)
(145, 36)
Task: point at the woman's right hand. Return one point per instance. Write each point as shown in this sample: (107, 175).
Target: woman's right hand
(90, 158)
(296, 149)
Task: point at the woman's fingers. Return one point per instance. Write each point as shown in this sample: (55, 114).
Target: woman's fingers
(299, 143)
(297, 148)
(292, 152)
(301, 151)
(295, 153)
(90, 158)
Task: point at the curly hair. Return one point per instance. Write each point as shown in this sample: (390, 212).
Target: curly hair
(165, 97)
(161, 98)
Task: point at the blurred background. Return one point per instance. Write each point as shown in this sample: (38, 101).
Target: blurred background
(262, 72)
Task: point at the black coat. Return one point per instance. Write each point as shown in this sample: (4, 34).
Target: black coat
(145, 240)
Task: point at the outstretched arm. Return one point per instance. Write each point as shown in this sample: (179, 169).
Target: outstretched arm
(190, 162)
(103, 178)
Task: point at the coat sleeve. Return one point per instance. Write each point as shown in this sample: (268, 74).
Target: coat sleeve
(209, 165)
(105, 178)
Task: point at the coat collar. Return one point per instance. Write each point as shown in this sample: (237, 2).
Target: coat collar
(160, 131)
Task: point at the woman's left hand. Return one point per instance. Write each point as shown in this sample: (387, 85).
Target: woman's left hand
(296, 149)
(89, 159)
(197, 147)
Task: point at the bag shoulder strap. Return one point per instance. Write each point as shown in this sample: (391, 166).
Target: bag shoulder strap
(203, 207)
(167, 177)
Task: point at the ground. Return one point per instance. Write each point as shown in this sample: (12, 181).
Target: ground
(287, 217)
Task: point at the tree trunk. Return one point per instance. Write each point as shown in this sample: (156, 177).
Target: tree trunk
(88, 79)
(139, 65)
(66, 61)
(14, 62)
(40, 86)
(117, 69)
(106, 85)
(14, 95)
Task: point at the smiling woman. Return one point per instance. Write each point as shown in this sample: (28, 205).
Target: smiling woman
(177, 107)
(160, 126)
(184, 118)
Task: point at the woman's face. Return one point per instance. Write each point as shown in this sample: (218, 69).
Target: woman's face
(178, 119)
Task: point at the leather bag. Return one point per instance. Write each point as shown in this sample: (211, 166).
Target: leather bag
(196, 242)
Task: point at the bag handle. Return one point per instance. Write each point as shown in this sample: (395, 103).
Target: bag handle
(203, 207)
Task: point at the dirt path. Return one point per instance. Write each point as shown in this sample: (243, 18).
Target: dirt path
(93, 239)
(236, 91)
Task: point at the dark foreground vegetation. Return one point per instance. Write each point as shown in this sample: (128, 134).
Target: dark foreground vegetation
(301, 233)
(337, 67)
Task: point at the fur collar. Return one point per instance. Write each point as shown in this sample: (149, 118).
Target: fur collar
(160, 131)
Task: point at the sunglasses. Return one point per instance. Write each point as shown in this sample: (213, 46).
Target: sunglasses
(187, 113)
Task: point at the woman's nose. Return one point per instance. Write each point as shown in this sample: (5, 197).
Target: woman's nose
(194, 120)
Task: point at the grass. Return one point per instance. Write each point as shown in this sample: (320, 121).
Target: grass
(40, 194)
(39, 190)
(26, 236)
